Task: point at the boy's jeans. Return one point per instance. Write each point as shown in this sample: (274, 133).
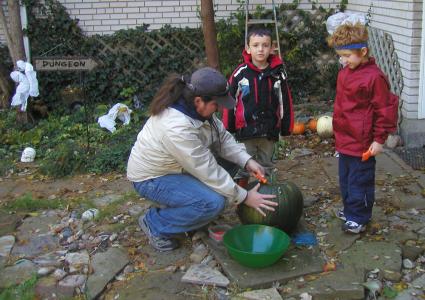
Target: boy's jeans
(189, 203)
(357, 185)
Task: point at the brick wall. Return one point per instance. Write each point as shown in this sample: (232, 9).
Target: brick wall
(403, 20)
(105, 17)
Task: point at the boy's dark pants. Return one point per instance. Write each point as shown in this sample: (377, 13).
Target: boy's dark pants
(357, 184)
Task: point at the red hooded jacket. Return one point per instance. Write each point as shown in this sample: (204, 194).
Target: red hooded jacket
(365, 110)
(263, 101)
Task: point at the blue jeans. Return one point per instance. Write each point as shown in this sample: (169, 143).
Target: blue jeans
(189, 203)
(357, 185)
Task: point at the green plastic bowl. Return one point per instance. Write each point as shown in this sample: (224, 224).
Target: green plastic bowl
(255, 245)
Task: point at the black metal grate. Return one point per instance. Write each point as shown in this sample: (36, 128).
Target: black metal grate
(414, 157)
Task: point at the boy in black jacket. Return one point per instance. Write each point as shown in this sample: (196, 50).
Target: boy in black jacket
(263, 99)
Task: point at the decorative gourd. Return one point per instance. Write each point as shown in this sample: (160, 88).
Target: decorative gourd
(324, 127)
(312, 125)
(299, 128)
(286, 214)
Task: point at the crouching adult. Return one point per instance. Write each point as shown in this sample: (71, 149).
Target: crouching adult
(174, 159)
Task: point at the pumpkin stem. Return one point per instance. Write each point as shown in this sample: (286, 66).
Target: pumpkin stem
(273, 176)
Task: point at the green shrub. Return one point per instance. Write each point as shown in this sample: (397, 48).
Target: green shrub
(66, 159)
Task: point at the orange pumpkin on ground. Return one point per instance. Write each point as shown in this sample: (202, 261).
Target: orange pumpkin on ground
(299, 128)
(312, 125)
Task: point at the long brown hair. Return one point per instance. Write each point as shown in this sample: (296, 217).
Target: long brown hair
(173, 88)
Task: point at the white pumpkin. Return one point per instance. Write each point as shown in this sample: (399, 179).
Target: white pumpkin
(324, 127)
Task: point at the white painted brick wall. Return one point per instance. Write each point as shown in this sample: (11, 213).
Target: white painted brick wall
(176, 13)
(403, 20)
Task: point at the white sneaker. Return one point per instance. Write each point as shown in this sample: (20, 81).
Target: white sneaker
(353, 227)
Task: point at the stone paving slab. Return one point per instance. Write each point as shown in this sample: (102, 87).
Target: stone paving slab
(36, 246)
(345, 281)
(105, 266)
(8, 222)
(159, 260)
(267, 294)
(37, 226)
(205, 275)
(337, 238)
(365, 256)
(47, 289)
(16, 274)
(294, 263)
(157, 285)
(6, 244)
(340, 284)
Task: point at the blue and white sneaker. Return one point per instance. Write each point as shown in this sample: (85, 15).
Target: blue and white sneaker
(353, 227)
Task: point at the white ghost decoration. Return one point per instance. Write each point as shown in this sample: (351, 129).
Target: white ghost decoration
(120, 111)
(31, 75)
(22, 90)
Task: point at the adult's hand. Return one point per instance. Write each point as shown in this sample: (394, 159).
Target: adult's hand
(254, 168)
(259, 201)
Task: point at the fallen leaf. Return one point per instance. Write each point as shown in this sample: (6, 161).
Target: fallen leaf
(329, 266)
(400, 286)
(132, 251)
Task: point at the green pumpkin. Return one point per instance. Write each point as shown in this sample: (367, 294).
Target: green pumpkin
(286, 214)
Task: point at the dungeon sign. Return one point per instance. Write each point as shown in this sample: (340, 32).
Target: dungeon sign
(64, 64)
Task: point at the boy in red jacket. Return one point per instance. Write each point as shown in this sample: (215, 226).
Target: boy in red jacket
(365, 112)
(263, 100)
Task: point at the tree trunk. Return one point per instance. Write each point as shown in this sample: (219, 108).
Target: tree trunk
(5, 87)
(210, 33)
(15, 44)
(15, 30)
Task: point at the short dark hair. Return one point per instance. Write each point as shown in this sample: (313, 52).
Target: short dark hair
(260, 31)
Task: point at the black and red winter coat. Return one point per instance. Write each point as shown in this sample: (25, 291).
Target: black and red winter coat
(263, 101)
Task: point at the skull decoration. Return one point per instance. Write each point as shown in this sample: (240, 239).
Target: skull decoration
(28, 155)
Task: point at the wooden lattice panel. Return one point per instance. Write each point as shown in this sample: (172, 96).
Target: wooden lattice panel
(152, 45)
(382, 48)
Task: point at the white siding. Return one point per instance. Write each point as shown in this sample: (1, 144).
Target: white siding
(403, 20)
(2, 37)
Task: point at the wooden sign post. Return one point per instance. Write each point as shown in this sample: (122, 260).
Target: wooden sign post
(64, 64)
(73, 64)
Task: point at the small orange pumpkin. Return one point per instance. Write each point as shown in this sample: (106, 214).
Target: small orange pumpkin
(312, 125)
(299, 128)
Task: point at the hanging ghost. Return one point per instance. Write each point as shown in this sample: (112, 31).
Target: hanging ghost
(31, 75)
(26, 78)
(22, 90)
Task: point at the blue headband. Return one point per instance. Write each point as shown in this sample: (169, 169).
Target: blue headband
(351, 46)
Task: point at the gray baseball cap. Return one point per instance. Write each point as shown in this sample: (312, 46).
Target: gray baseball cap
(210, 82)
